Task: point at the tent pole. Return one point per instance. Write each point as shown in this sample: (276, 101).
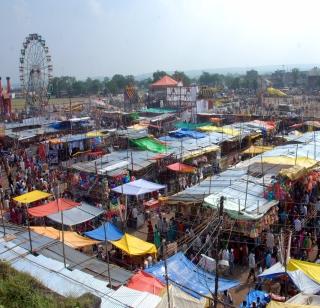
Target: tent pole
(28, 222)
(2, 219)
(63, 248)
(107, 254)
(164, 255)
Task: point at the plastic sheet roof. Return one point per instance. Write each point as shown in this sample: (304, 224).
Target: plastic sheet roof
(138, 187)
(180, 299)
(31, 196)
(243, 200)
(134, 246)
(298, 277)
(52, 207)
(183, 168)
(134, 298)
(54, 276)
(215, 184)
(143, 281)
(105, 231)
(110, 164)
(182, 271)
(180, 133)
(77, 215)
(72, 239)
(52, 249)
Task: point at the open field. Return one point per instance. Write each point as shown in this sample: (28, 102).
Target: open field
(19, 103)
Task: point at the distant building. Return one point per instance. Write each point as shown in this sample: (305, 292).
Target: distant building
(170, 93)
(313, 79)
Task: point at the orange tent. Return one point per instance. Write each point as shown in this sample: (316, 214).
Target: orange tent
(183, 168)
(52, 207)
(145, 282)
(215, 120)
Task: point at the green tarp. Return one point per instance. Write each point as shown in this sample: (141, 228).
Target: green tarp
(149, 144)
(158, 110)
(186, 125)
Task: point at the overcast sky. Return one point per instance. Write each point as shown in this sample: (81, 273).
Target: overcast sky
(104, 37)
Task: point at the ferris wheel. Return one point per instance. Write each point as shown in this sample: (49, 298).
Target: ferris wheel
(35, 71)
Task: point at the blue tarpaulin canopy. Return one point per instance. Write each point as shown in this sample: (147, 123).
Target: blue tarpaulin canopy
(111, 233)
(254, 294)
(185, 273)
(180, 133)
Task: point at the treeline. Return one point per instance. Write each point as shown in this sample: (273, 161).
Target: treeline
(70, 86)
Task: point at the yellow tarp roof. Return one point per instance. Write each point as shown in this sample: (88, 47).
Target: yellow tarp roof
(94, 133)
(72, 239)
(274, 304)
(223, 130)
(257, 149)
(294, 172)
(284, 160)
(275, 92)
(138, 126)
(312, 270)
(134, 246)
(32, 196)
(195, 153)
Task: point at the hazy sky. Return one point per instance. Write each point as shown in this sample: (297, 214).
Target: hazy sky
(103, 37)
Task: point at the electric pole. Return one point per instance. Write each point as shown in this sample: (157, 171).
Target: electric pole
(217, 244)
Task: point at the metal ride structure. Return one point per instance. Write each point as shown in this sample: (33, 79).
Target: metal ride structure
(35, 73)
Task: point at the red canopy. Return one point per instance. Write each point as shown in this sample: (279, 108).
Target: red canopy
(145, 282)
(179, 167)
(52, 207)
(165, 82)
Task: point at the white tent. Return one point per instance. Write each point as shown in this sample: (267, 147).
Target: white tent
(301, 280)
(180, 299)
(139, 187)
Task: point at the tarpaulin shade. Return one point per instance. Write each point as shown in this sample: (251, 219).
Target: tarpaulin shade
(274, 304)
(186, 273)
(165, 81)
(183, 168)
(180, 299)
(32, 196)
(150, 144)
(224, 130)
(190, 125)
(312, 270)
(95, 134)
(285, 160)
(77, 215)
(105, 231)
(180, 133)
(72, 239)
(52, 207)
(134, 246)
(143, 281)
(257, 149)
(138, 187)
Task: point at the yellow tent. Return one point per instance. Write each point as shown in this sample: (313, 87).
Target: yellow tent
(134, 246)
(257, 149)
(274, 304)
(275, 92)
(32, 196)
(223, 130)
(294, 172)
(284, 160)
(72, 239)
(312, 270)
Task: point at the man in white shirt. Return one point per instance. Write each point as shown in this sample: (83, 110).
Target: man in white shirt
(297, 224)
(252, 266)
(270, 241)
(134, 216)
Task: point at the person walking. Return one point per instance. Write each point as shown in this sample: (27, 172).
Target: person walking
(252, 266)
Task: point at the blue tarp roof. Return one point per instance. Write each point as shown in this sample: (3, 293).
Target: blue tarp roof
(112, 233)
(180, 133)
(254, 294)
(182, 271)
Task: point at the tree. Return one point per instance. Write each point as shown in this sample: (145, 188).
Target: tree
(181, 76)
(205, 78)
(295, 76)
(251, 79)
(158, 75)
